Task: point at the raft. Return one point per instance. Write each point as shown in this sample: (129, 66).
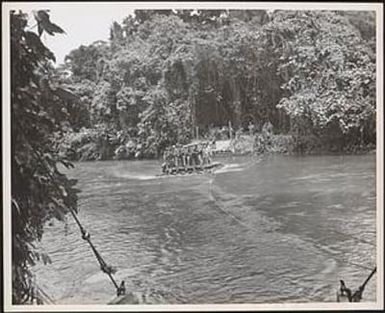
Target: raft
(192, 169)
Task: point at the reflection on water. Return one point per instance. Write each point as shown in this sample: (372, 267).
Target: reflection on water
(282, 229)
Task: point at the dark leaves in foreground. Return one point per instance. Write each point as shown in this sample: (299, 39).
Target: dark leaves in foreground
(37, 47)
(39, 191)
(44, 23)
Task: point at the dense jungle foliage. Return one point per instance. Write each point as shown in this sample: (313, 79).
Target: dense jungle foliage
(310, 74)
(39, 190)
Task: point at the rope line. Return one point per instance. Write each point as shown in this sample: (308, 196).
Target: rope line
(369, 277)
(353, 237)
(361, 266)
(120, 290)
(42, 292)
(216, 202)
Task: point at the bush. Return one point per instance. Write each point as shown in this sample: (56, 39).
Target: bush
(271, 143)
(89, 144)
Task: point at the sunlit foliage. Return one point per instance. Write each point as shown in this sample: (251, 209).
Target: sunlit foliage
(309, 73)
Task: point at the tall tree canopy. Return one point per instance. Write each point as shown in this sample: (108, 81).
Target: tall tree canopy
(303, 71)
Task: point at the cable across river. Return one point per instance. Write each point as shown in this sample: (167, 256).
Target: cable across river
(223, 209)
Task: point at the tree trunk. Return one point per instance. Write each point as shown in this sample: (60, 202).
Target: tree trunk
(236, 103)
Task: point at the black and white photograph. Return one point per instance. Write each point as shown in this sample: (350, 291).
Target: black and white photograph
(192, 156)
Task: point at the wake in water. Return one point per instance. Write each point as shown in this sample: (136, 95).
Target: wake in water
(157, 176)
(138, 176)
(247, 217)
(235, 203)
(231, 168)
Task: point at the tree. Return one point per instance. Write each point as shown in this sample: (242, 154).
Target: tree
(39, 190)
(218, 66)
(87, 62)
(329, 75)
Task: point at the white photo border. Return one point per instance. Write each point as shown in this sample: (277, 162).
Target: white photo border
(6, 150)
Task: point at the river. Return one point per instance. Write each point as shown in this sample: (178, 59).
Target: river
(271, 230)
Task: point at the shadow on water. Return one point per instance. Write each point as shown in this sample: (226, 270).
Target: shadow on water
(283, 229)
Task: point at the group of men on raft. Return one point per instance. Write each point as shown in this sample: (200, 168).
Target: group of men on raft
(181, 158)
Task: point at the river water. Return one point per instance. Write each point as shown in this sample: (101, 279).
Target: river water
(277, 229)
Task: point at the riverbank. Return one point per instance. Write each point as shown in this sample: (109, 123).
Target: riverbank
(262, 143)
(101, 145)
